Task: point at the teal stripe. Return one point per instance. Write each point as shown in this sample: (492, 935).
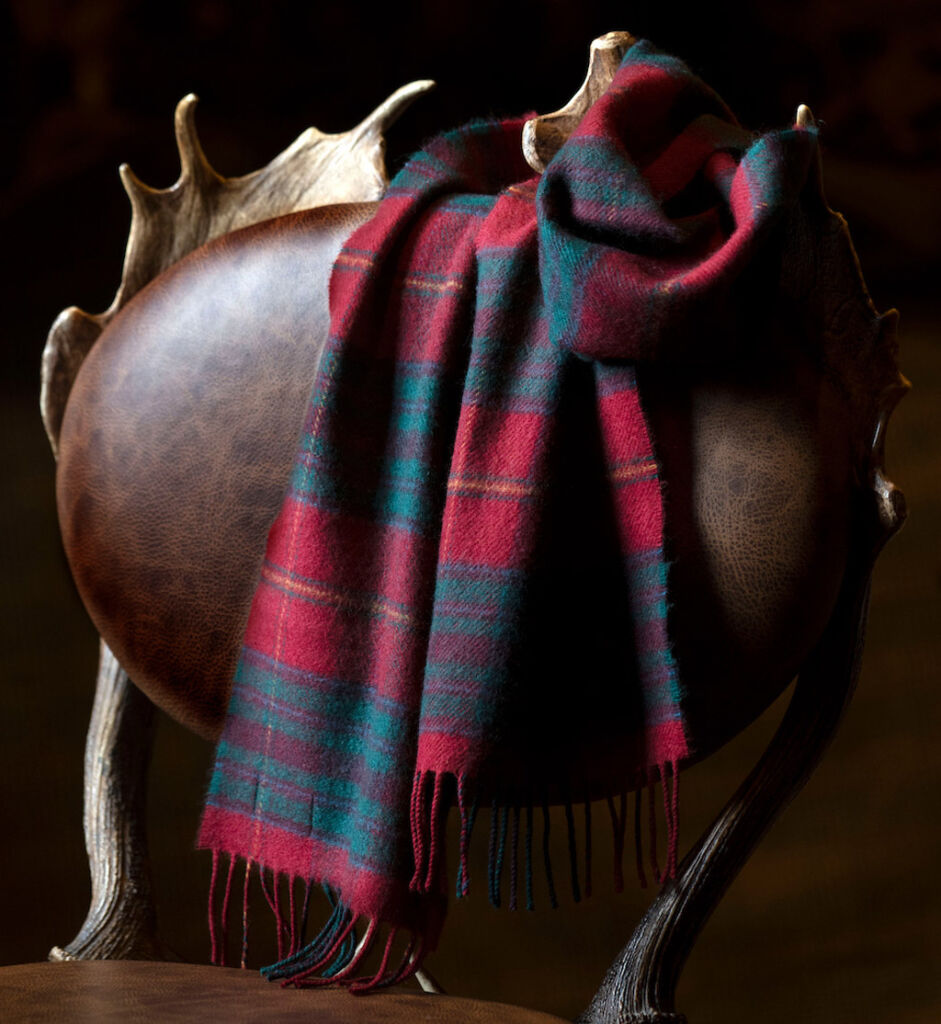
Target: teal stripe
(360, 742)
(342, 701)
(488, 593)
(456, 707)
(319, 788)
(442, 672)
(469, 626)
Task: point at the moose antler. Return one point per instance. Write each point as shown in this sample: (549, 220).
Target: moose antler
(166, 224)
(543, 136)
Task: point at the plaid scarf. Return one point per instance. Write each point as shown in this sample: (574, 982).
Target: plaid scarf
(463, 600)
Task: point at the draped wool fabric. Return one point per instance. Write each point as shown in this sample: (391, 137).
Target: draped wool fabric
(463, 600)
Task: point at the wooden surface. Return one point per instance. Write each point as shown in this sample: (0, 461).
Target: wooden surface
(146, 992)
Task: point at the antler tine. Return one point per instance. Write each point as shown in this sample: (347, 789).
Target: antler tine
(318, 169)
(391, 109)
(804, 118)
(69, 340)
(193, 162)
(543, 136)
(136, 191)
(166, 224)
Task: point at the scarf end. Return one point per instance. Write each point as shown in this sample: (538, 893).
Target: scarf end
(349, 939)
(337, 955)
(514, 847)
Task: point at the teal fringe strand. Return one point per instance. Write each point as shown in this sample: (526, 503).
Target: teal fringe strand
(318, 947)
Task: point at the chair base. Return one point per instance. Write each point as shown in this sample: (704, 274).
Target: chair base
(145, 991)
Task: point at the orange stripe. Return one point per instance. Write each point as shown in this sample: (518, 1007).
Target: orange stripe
(452, 284)
(624, 473)
(491, 486)
(337, 598)
(354, 261)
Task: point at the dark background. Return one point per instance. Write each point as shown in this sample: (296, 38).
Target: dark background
(838, 916)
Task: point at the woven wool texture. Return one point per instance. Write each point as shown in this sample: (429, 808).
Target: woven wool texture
(464, 599)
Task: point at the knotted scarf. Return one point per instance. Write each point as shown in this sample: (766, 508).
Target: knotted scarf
(464, 598)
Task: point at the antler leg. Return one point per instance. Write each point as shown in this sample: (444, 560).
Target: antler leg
(121, 922)
(640, 987)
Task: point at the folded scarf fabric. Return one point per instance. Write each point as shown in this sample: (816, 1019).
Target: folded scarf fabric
(463, 600)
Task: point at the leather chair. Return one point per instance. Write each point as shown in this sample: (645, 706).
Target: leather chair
(779, 506)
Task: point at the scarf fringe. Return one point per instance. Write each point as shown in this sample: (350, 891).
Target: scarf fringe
(337, 952)
(432, 796)
(332, 957)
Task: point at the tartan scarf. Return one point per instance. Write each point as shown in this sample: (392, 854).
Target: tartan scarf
(463, 600)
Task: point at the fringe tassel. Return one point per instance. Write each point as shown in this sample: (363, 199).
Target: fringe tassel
(292, 948)
(225, 906)
(304, 960)
(302, 931)
(335, 954)
(618, 824)
(553, 902)
(501, 847)
(587, 848)
(214, 956)
(668, 821)
(274, 902)
(343, 966)
(669, 784)
(514, 850)
(530, 905)
(244, 957)
(364, 985)
(428, 809)
(436, 845)
(492, 853)
(418, 818)
(638, 841)
(427, 827)
(217, 937)
(330, 962)
(333, 957)
(468, 817)
(573, 851)
(675, 835)
(654, 864)
(499, 814)
(411, 961)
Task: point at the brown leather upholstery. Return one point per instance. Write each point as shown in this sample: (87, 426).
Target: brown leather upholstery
(145, 992)
(176, 447)
(757, 499)
(178, 438)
